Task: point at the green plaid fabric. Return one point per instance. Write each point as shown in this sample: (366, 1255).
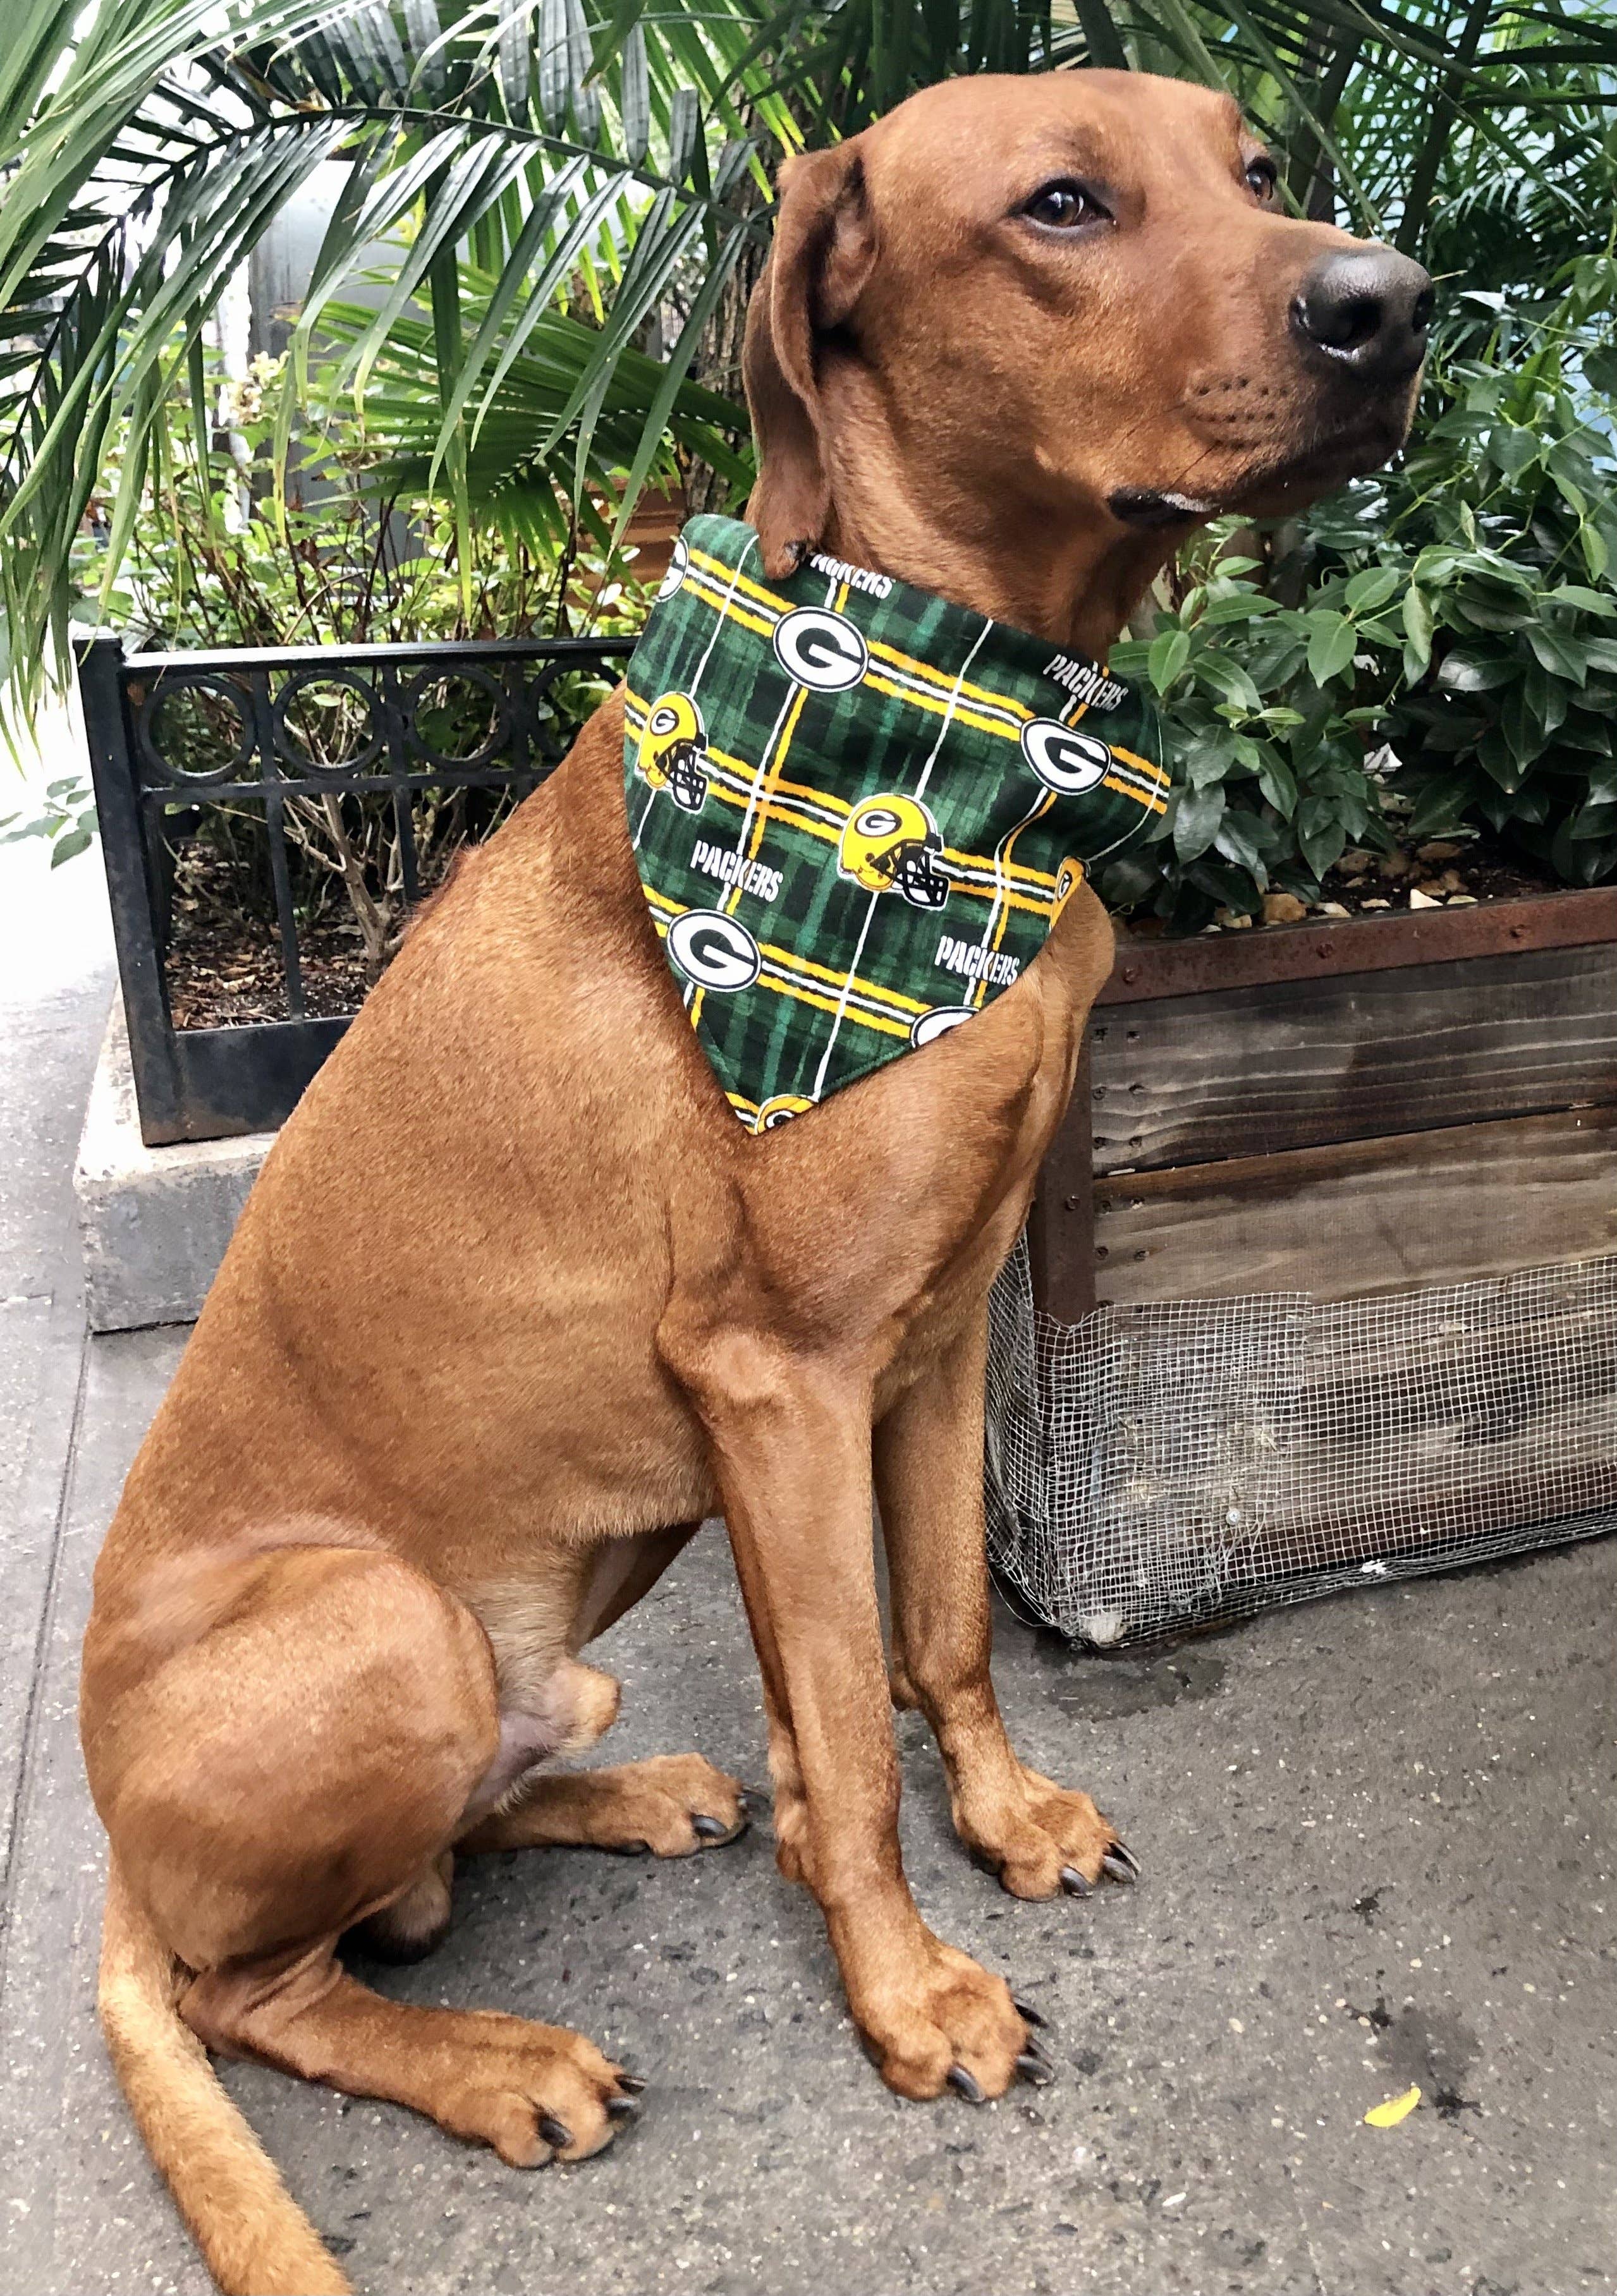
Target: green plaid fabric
(857, 810)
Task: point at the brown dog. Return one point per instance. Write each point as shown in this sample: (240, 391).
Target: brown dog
(517, 1302)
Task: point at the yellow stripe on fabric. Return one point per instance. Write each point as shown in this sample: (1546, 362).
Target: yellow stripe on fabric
(727, 607)
(748, 775)
(1154, 774)
(850, 1012)
(980, 986)
(736, 893)
(1127, 789)
(939, 705)
(850, 1001)
(1037, 899)
(985, 861)
(780, 810)
(766, 792)
(939, 678)
(792, 962)
(754, 590)
(783, 962)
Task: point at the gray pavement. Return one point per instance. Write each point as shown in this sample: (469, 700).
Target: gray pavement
(1378, 1842)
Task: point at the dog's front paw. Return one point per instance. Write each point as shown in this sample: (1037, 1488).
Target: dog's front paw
(945, 2023)
(1046, 1839)
(535, 2093)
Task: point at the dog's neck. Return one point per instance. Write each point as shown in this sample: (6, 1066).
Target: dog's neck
(1073, 587)
(1065, 573)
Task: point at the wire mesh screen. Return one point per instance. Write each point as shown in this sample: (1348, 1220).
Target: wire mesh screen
(1176, 1465)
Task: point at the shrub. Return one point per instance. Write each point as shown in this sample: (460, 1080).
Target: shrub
(1432, 649)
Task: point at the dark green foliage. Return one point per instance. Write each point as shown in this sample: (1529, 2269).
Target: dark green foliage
(1452, 659)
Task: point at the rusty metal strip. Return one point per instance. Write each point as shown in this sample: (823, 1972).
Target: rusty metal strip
(1264, 954)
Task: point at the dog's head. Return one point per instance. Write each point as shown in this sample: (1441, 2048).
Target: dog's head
(1070, 297)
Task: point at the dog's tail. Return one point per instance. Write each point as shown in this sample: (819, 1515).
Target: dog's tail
(257, 2240)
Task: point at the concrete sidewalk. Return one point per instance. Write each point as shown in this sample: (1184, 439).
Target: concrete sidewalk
(1378, 1843)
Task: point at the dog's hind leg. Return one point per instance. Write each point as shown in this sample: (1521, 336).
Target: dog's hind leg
(1040, 1838)
(292, 1770)
(672, 1805)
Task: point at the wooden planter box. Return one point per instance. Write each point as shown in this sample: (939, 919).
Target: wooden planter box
(1345, 1197)
(1346, 1110)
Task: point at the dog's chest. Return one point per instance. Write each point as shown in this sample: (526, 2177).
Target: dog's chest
(891, 1208)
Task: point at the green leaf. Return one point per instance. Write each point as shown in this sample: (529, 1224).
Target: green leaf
(1440, 804)
(1373, 588)
(1322, 835)
(1513, 449)
(1225, 676)
(1560, 653)
(1195, 821)
(1591, 602)
(1330, 646)
(1169, 651)
(1277, 782)
(1239, 842)
(1417, 628)
(1471, 673)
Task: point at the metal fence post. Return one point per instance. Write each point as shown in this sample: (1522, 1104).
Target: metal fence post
(115, 772)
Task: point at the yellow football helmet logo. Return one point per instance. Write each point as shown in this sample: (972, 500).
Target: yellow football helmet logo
(673, 751)
(1068, 877)
(780, 1110)
(892, 845)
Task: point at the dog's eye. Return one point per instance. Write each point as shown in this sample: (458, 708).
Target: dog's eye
(1262, 176)
(1062, 206)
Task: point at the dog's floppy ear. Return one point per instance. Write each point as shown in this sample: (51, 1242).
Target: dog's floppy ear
(824, 248)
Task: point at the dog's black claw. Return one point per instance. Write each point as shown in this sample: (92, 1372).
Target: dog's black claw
(1036, 2068)
(631, 2084)
(621, 2108)
(1028, 2014)
(554, 2132)
(711, 1829)
(968, 2085)
(1073, 1882)
(1121, 1863)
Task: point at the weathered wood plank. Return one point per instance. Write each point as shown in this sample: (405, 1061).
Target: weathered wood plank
(1198, 963)
(1365, 1216)
(1257, 1071)
(1061, 1223)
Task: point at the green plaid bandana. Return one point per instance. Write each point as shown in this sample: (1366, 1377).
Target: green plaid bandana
(857, 810)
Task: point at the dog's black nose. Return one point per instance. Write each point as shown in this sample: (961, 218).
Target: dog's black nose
(1367, 308)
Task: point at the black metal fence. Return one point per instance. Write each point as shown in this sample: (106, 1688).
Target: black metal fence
(278, 739)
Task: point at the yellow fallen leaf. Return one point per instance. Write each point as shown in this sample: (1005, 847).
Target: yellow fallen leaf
(1395, 2109)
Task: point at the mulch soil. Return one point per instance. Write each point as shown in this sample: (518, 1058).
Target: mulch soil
(1439, 872)
(224, 967)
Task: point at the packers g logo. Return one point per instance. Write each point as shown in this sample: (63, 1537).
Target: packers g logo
(677, 563)
(1068, 877)
(780, 1110)
(714, 951)
(892, 845)
(1064, 760)
(937, 1022)
(673, 751)
(820, 649)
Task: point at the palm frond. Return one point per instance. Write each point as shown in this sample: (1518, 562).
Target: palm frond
(550, 189)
